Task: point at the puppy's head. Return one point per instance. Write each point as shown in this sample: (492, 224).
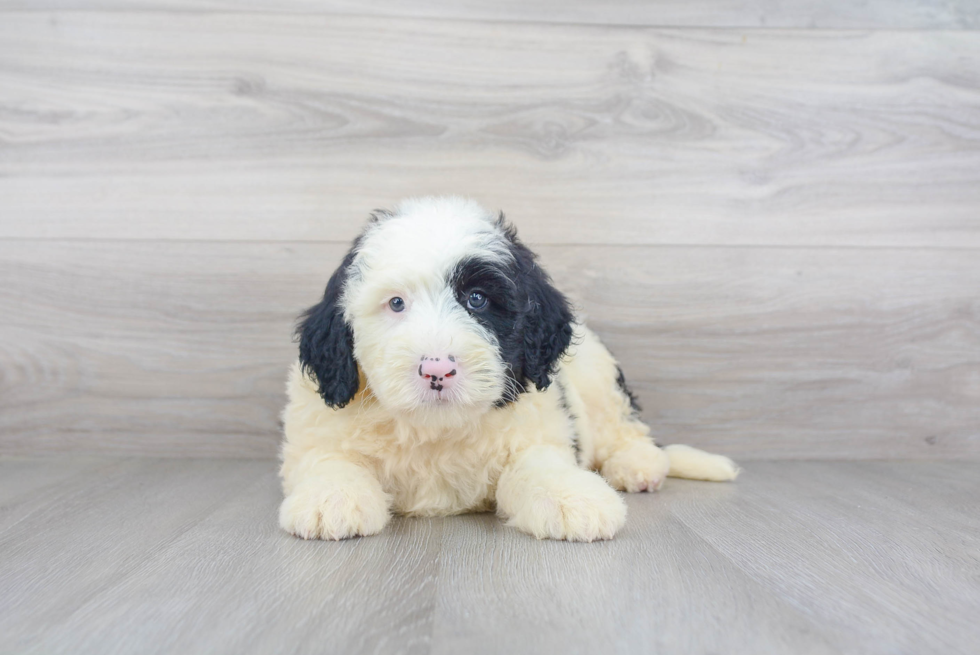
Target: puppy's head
(444, 311)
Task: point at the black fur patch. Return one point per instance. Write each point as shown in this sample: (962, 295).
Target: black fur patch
(563, 400)
(326, 342)
(530, 318)
(621, 383)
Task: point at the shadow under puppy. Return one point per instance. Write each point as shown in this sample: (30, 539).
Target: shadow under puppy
(443, 373)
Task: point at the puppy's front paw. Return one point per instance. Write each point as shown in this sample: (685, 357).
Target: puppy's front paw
(578, 507)
(639, 467)
(314, 511)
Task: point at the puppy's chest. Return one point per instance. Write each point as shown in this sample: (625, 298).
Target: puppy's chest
(436, 479)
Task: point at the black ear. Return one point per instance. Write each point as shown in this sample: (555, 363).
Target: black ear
(547, 328)
(547, 321)
(326, 342)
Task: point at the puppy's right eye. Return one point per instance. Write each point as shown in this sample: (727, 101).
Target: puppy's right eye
(477, 301)
(397, 304)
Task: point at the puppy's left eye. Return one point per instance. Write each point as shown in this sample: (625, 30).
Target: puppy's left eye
(397, 304)
(477, 301)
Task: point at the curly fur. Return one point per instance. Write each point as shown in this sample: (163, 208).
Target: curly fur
(364, 438)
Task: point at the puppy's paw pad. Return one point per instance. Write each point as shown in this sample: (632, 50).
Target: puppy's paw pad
(642, 467)
(313, 512)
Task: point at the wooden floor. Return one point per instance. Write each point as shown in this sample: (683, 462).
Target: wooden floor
(184, 556)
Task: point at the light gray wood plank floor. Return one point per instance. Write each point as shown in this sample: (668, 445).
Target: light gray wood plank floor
(184, 556)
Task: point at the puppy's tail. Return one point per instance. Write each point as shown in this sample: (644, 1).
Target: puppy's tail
(694, 464)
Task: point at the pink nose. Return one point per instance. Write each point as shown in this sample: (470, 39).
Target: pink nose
(439, 372)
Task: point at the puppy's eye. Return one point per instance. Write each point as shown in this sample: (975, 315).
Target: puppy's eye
(476, 301)
(397, 304)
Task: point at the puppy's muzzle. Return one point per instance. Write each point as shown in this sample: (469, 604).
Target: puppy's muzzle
(439, 372)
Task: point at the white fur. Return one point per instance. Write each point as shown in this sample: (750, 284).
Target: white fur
(410, 257)
(397, 448)
(544, 493)
(694, 464)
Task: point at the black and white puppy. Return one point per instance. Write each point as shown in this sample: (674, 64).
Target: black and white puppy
(443, 373)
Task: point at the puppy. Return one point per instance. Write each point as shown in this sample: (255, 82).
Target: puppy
(443, 373)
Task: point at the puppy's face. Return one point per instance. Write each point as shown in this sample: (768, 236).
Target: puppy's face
(443, 310)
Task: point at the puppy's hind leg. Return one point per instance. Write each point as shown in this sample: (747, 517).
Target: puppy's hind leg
(630, 461)
(636, 465)
(614, 440)
(619, 444)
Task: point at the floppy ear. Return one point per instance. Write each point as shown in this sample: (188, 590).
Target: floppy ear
(547, 321)
(547, 328)
(326, 342)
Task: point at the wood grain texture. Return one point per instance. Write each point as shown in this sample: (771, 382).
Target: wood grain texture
(26, 479)
(291, 127)
(892, 552)
(181, 348)
(62, 554)
(250, 587)
(801, 557)
(868, 14)
(512, 594)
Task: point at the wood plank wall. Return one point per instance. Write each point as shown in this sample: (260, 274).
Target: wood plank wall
(769, 210)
